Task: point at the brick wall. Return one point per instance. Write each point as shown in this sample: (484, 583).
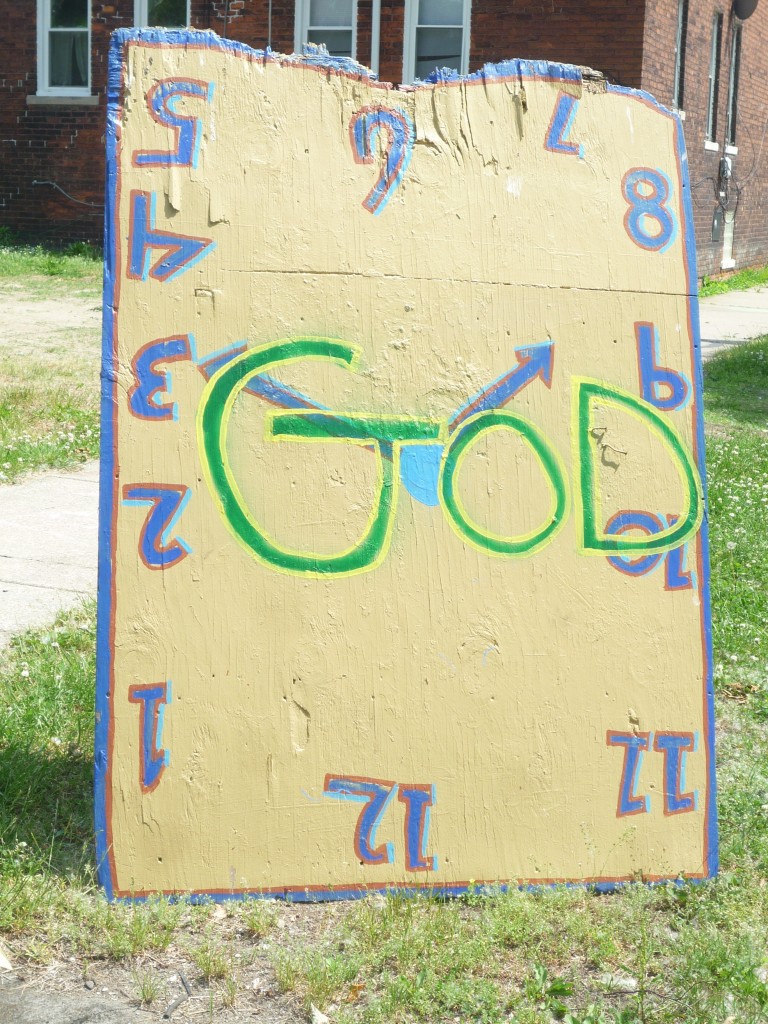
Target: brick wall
(391, 45)
(56, 143)
(630, 41)
(747, 194)
(602, 34)
(60, 140)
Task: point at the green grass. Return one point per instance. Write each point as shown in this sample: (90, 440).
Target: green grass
(45, 424)
(736, 282)
(78, 262)
(46, 766)
(695, 954)
(736, 399)
(736, 386)
(49, 385)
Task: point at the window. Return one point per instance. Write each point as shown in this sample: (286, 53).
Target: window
(436, 36)
(680, 42)
(714, 76)
(161, 13)
(331, 23)
(733, 86)
(64, 47)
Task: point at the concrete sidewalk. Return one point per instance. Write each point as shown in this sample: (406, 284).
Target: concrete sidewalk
(733, 318)
(48, 547)
(48, 542)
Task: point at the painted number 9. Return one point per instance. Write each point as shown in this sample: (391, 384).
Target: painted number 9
(648, 221)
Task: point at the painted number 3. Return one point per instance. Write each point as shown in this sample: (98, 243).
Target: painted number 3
(649, 221)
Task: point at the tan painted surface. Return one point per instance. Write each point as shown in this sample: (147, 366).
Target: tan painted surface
(493, 678)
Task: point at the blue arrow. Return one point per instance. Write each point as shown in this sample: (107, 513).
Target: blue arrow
(420, 463)
(180, 251)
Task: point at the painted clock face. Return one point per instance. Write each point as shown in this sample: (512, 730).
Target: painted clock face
(403, 567)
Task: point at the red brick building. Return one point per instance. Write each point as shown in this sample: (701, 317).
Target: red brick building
(707, 58)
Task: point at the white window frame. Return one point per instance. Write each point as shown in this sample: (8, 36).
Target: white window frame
(301, 26)
(409, 38)
(141, 13)
(43, 55)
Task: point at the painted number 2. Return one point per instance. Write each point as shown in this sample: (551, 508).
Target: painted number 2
(648, 221)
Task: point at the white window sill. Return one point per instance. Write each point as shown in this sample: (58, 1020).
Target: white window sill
(713, 147)
(62, 101)
(731, 150)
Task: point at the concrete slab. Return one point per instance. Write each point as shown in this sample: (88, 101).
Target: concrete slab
(21, 1005)
(48, 547)
(730, 319)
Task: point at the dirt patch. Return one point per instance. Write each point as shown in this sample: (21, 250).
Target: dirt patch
(76, 989)
(718, 430)
(55, 326)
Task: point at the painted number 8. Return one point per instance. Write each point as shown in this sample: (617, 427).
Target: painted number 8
(647, 191)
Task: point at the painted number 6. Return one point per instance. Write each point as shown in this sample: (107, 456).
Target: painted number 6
(400, 133)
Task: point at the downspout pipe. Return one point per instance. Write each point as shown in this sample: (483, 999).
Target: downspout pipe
(375, 34)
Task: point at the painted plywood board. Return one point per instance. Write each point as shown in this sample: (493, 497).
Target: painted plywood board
(403, 574)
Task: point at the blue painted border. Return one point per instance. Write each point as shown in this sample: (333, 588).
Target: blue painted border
(107, 472)
(520, 70)
(711, 836)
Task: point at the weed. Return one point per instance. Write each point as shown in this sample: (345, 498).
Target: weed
(259, 918)
(592, 1015)
(229, 992)
(316, 974)
(212, 959)
(148, 985)
(128, 931)
(547, 992)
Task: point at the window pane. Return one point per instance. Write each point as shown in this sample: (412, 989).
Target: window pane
(68, 53)
(167, 13)
(733, 88)
(680, 45)
(437, 48)
(714, 76)
(69, 13)
(330, 12)
(339, 43)
(441, 12)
